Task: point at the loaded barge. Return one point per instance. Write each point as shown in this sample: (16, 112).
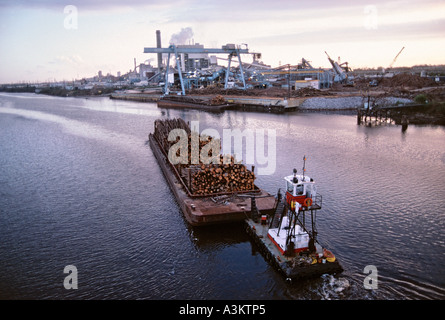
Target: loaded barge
(207, 193)
(215, 104)
(286, 240)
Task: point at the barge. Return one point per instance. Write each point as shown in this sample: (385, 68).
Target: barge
(284, 238)
(207, 207)
(215, 104)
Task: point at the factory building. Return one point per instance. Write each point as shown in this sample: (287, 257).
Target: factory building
(147, 71)
(194, 61)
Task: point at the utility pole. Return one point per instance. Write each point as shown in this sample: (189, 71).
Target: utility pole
(288, 81)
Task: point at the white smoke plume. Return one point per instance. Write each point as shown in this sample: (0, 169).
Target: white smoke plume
(182, 37)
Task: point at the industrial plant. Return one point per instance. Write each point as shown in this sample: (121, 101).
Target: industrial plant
(195, 66)
(191, 75)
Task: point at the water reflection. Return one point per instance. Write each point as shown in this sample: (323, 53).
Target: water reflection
(120, 106)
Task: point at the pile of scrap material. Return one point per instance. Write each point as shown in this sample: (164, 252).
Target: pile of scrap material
(408, 80)
(309, 92)
(268, 92)
(435, 95)
(203, 171)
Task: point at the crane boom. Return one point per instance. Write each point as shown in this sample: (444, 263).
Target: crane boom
(337, 69)
(390, 66)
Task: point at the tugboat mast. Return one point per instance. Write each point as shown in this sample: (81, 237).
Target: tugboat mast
(304, 165)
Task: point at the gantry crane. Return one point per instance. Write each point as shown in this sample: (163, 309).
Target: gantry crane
(230, 49)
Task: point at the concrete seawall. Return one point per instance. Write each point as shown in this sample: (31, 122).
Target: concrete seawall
(141, 97)
(342, 103)
(271, 103)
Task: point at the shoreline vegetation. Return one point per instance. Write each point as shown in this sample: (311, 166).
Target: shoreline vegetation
(58, 91)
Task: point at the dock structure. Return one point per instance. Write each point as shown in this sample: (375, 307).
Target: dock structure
(370, 116)
(376, 114)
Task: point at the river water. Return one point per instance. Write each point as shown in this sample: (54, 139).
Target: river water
(79, 186)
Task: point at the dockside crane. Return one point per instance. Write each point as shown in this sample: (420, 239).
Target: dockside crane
(341, 74)
(377, 81)
(305, 64)
(394, 61)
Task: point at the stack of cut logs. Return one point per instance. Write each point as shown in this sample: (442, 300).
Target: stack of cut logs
(220, 178)
(163, 128)
(223, 175)
(217, 100)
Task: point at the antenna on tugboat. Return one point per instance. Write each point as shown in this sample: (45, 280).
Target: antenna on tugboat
(304, 165)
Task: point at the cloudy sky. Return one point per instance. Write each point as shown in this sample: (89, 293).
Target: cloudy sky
(47, 40)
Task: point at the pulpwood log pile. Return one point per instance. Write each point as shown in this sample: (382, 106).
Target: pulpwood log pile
(164, 127)
(217, 100)
(222, 178)
(222, 175)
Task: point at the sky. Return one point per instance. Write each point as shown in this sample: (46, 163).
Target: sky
(50, 40)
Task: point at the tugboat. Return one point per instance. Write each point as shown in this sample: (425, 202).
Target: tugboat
(285, 239)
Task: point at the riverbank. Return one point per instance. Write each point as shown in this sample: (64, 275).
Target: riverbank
(432, 114)
(60, 91)
(281, 100)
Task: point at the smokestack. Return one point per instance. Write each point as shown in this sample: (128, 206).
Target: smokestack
(158, 44)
